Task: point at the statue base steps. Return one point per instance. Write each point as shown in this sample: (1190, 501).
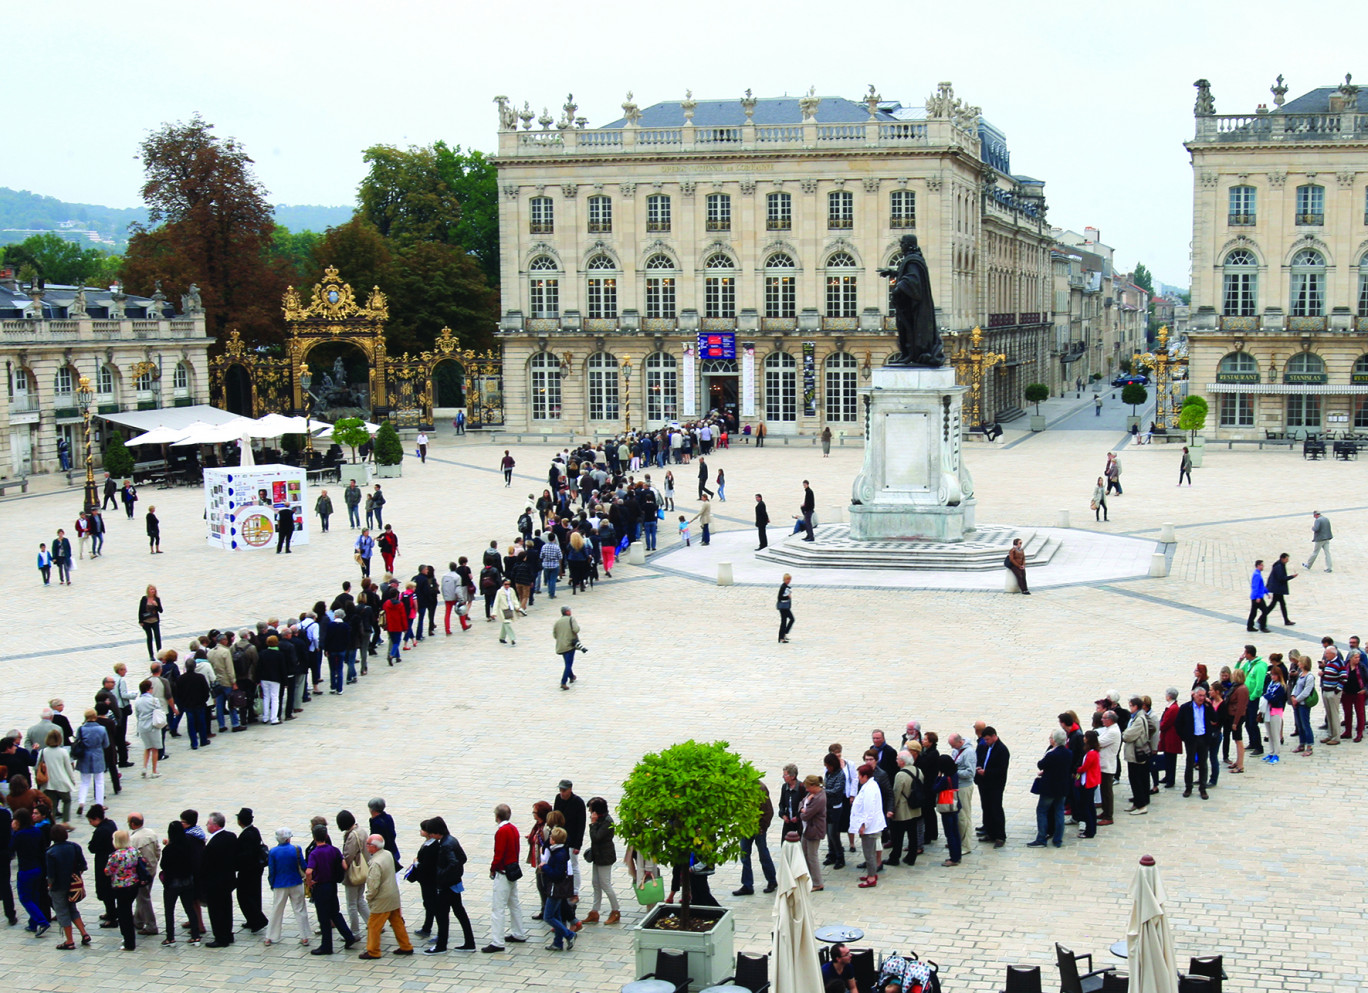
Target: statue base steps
(979, 550)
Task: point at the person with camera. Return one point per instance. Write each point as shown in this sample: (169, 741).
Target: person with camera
(566, 633)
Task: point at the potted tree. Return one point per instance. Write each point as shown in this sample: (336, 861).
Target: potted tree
(351, 432)
(1133, 394)
(1192, 418)
(389, 452)
(1035, 393)
(118, 461)
(690, 804)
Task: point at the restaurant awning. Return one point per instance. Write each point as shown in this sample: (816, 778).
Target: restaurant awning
(170, 417)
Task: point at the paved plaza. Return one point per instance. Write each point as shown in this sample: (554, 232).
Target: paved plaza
(1269, 872)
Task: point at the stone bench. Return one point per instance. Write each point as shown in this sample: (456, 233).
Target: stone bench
(8, 484)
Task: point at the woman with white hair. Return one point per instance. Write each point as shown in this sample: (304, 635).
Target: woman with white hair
(1052, 787)
(285, 873)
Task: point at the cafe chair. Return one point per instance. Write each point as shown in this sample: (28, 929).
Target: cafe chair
(1209, 966)
(1115, 982)
(866, 971)
(1196, 984)
(1023, 979)
(1069, 979)
(752, 972)
(671, 967)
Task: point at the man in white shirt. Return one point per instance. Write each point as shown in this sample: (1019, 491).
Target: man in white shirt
(422, 446)
(1109, 740)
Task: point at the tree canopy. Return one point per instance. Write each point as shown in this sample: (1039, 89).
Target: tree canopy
(55, 259)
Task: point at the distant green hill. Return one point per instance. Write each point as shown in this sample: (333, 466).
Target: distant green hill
(22, 213)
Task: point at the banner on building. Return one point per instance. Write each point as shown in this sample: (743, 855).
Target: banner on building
(809, 378)
(690, 387)
(748, 381)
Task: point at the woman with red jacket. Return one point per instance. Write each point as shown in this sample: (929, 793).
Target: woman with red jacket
(396, 623)
(389, 547)
(1089, 778)
(1170, 742)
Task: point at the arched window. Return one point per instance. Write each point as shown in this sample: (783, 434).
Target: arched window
(1304, 365)
(1241, 284)
(842, 372)
(1238, 363)
(1308, 284)
(180, 379)
(63, 384)
(603, 387)
(662, 387)
(1363, 286)
(545, 387)
(781, 286)
(781, 387)
(143, 382)
(602, 295)
(545, 288)
(660, 288)
(842, 289)
(1237, 409)
(104, 380)
(719, 290)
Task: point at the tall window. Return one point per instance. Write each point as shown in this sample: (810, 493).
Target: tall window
(545, 288)
(1237, 410)
(719, 287)
(781, 387)
(143, 382)
(546, 387)
(180, 379)
(660, 286)
(780, 286)
(543, 218)
(63, 383)
(603, 387)
(719, 212)
(1308, 284)
(1304, 410)
(841, 287)
(842, 373)
(902, 209)
(1241, 284)
(1241, 205)
(600, 215)
(658, 212)
(1361, 401)
(662, 387)
(840, 210)
(602, 297)
(1363, 286)
(104, 380)
(778, 212)
(1311, 204)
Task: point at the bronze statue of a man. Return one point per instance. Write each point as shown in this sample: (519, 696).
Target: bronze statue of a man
(919, 343)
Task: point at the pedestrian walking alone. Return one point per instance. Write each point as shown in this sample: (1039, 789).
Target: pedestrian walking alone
(703, 478)
(566, 632)
(153, 532)
(1099, 500)
(506, 464)
(323, 507)
(1320, 540)
(784, 604)
(761, 522)
(1185, 467)
(826, 442)
(149, 616)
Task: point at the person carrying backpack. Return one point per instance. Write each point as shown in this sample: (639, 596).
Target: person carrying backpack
(491, 578)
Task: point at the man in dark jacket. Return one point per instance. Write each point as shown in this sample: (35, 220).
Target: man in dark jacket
(761, 521)
(1277, 589)
(192, 695)
(758, 841)
(218, 877)
(1196, 719)
(284, 529)
(576, 821)
(247, 860)
(809, 508)
(991, 777)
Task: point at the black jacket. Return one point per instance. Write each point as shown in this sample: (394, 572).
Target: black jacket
(451, 860)
(285, 520)
(1057, 768)
(1278, 579)
(576, 818)
(219, 870)
(247, 851)
(790, 802)
(809, 501)
(761, 514)
(994, 766)
(1186, 723)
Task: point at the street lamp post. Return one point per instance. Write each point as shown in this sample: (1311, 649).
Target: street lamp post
(85, 395)
(306, 381)
(627, 392)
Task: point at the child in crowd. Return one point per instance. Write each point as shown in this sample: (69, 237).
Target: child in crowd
(683, 529)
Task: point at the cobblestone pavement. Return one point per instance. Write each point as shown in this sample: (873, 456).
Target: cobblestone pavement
(465, 722)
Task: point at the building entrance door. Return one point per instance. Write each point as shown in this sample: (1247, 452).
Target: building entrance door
(723, 392)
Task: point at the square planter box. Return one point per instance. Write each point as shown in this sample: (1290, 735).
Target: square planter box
(712, 957)
(388, 471)
(362, 472)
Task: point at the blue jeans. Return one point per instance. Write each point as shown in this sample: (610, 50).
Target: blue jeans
(1304, 732)
(550, 575)
(950, 824)
(431, 613)
(28, 881)
(354, 516)
(335, 671)
(394, 638)
(351, 665)
(707, 537)
(551, 914)
(221, 694)
(196, 726)
(569, 672)
(722, 492)
(766, 863)
(650, 528)
(1050, 819)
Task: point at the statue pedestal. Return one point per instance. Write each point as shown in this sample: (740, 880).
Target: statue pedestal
(914, 485)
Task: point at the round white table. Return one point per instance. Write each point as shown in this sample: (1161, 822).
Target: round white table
(833, 933)
(648, 986)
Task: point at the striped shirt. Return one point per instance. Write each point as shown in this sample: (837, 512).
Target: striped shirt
(1332, 675)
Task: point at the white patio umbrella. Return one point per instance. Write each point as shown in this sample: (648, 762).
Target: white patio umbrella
(160, 435)
(275, 425)
(793, 956)
(318, 428)
(1150, 957)
(214, 434)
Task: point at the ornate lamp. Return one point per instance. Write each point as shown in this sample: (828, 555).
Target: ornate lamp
(306, 381)
(627, 392)
(85, 396)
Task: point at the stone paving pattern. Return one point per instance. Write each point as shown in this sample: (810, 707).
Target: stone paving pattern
(466, 722)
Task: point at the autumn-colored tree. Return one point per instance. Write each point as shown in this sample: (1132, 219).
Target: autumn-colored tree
(358, 251)
(294, 250)
(211, 225)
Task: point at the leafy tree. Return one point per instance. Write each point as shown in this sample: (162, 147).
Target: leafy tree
(59, 260)
(1035, 393)
(118, 461)
(215, 230)
(1192, 416)
(405, 197)
(1143, 278)
(1133, 394)
(473, 178)
(431, 285)
(389, 450)
(691, 800)
(351, 431)
(294, 252)
(358, 251)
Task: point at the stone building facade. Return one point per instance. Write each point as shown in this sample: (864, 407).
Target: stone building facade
(1278, 328)
(135, 351)
(719, 254)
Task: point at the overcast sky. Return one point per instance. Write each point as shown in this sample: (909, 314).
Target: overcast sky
(1096, 99)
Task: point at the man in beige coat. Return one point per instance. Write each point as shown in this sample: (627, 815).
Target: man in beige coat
(144, 839)
(382, 895)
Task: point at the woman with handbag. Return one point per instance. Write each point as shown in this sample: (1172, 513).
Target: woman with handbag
(947, 805)
(1304, 697)
(179, 871)
(1099, 500)
(602, 855)
(150, 721)
(149, 616)
(127, 873)
(355, 867)
(536, 841)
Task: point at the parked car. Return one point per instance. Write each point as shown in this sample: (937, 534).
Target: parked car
(1125, 379)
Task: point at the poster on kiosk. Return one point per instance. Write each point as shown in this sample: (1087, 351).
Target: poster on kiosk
(243, 505)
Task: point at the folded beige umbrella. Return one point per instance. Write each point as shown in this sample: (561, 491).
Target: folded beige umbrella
(793, 959)
(1151, 960)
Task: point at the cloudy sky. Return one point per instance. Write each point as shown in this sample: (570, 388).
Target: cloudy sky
(1096, 99)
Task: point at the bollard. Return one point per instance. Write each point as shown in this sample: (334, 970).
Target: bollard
(1010, 584)
(1166, 534)
(724, 574)
(1158, 565)
(1062, 520)
(636, 553)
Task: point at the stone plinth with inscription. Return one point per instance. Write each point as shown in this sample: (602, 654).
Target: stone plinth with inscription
(914, 484)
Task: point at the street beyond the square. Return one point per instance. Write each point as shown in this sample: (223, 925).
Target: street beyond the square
(1268, 872)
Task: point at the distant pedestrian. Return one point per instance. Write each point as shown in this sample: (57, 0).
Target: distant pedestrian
(45, 563)
(784, 604)
(1257, 592)
(761, 521)
(1016, 564)
(506, 464)
(460, 422)
(704, 518)
(389, 546)
(149, 616)
(1320, 540)
(1185, 467)
(61, 558)
(721, 487)
(684, 530)
(1099, 500)
(378, 503)
(826, 442)
(703, 479)
(1097, 406)
(129, 496)
(422, 447)
(285, 525)
(1113, 473)
(508, 609)
(153, 532)
(110, 488)
(809, 509)
(351, 496)
(566, 632)
(323, 507)
(363, 550)
(1278, 579)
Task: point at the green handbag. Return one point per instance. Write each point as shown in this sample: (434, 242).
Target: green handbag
(651, 892)
(1313, 699)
